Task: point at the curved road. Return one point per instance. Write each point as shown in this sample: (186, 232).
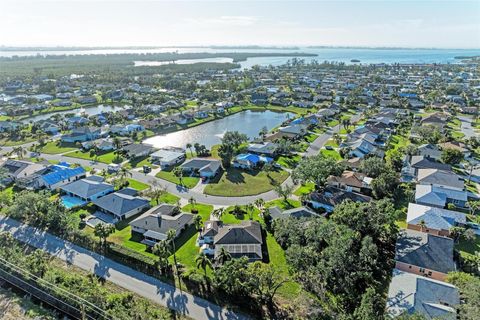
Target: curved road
(121, 275)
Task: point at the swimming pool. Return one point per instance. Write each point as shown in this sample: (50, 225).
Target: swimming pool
(70, 202)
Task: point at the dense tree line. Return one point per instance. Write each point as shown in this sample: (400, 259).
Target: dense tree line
(344, 261)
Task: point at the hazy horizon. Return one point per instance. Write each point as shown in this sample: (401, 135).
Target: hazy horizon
(108, 23)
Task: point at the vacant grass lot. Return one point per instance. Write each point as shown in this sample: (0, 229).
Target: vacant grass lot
(106, 157)
(331, 153)
(305, 189)
(236, 182)
(137, 185)
(289, 162)
(187, 182)
(56, 147)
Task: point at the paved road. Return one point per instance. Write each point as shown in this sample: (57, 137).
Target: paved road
(466, 127)
(318, 144)
(123, 276)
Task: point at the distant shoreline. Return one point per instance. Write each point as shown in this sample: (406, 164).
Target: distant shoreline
(245, 47)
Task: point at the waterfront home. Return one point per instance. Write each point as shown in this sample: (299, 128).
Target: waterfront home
(155, 223)
(300, 212)
(88, 189)
(240, 240)
(87, 99)
(440, 197)
(331, 197)
(81, 134)
(49, 126)
(122, 204)
(250, 161)
(205, 168)
(414, 294)
(168, 157)
(73, 122)
(137, 150)
(265, 148)
(351, 181)
(433, 220)
(424, 254)
(6, 126)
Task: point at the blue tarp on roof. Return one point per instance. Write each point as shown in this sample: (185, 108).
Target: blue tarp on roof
(64, 164)
(254, 158)
(61, 173)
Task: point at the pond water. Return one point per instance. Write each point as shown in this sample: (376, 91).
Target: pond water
(210, 133)
(90, 111)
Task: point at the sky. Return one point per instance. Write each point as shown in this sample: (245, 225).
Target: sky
(384, 23)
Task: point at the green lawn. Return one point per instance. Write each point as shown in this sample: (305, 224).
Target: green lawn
(468, 247)
(305, 189)
(331, 153)
(140, 162)
(137, 185)
(332, 123)
(187, 249)
(56, 147)
(108, 157)
(237, 182)
(289, 162)
(332, 143)
(311, 137)
(457, 135)
(396, 142)
(188, 182)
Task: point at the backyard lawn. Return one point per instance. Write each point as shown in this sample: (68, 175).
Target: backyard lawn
(289, 162)
(108, 157)
(140, 162)
(305, 189)
(467, 247)
(56, 147)
(188, 182)
(237, 182)
(331, 153)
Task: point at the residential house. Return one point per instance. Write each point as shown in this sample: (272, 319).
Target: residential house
(74, 122)
(57, 176)
(49, 126)
(88, 189)
(7, 126)
(440, 178)
(414, 294)
(456, 145)
(331, 197)
(101, 144)
(240, 240)
(440, 197)
(433, 220)
(430, 151)
(81, 134)
(351, 181)
(424, 254)
(168, 158)
(16, 169)
(267, 148)
(411, 167)
(205, 168)
(250, 161)
(122, 204)
(155, 223)
(300, 212)
(137, 150)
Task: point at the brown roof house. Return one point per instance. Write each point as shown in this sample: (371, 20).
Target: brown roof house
(240, 240)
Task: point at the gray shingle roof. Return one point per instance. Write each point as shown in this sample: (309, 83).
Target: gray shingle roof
(86, 188)
(119, 204)
(425, 251)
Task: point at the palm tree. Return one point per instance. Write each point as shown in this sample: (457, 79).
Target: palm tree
(203, 262)
(103, 230)
(197, 222)
(192, 202)
(157, 192)
(162, 251)
(259, 203)
(249, 208)
(474, 206)
(178, 172)
(19, 151)
(171, 235)
(223, 256)
(217, 213)
(123, 173)
(189, 146)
